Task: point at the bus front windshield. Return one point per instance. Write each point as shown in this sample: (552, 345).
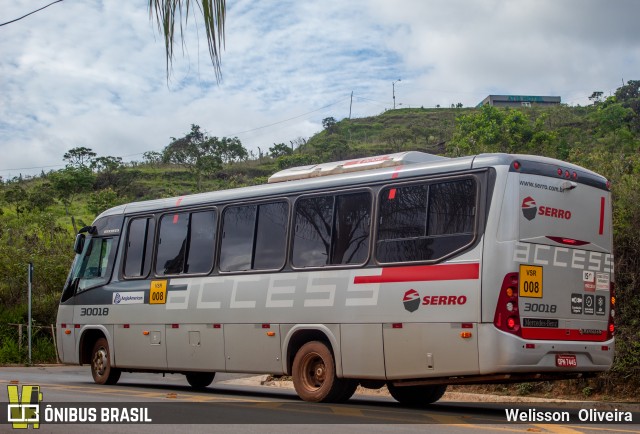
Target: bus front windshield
(92, 267)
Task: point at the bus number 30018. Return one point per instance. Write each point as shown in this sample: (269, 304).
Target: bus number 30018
(540, 307)
(94, 311)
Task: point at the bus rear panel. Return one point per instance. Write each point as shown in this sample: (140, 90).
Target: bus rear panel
(551, 261)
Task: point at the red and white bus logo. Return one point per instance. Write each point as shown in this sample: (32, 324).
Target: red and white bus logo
(529, 208)
(411, 300)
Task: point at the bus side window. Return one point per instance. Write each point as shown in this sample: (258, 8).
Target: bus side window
(270, 249)
(138, 247)
(425, 222)
(451, 208)
(332, 230)
(172, 243)
(202, 241)
(254, 237)
(186, 243)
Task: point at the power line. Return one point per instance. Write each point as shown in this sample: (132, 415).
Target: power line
(31, 168)
(287, 120)
(30, 13)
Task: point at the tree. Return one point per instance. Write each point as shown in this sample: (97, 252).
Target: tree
(69, 182)
(494, 129)
(297, 143)
(166, 12)
(629, 96)
(329, 124)
(106, 164)
(629, 91)
(279, 150)
(229, 149)
(40, 197)
(614, 119)
(196, 151)
(79, 157)
(596, 97)
(112, 174)
(16, 196)
(102, 200)
(152, 158)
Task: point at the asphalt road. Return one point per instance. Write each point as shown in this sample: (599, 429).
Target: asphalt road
(236, 404)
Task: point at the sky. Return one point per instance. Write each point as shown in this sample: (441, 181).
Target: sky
(93, 73)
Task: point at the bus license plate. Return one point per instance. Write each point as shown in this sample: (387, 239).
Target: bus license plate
(566, 361)
(530, 281)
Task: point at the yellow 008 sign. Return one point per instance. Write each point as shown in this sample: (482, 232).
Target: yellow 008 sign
(530, 281)
(158, 292)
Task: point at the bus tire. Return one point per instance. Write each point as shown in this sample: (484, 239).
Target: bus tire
(348, 389)
(101, 369)
(416, 396)
(200, 380)
(314, 375)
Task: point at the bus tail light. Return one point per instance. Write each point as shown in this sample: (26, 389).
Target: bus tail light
(611, 328)
(507, 316)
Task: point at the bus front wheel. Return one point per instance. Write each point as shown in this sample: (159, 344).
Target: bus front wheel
(200, 380)
(416, 396)
(101, 369)
(314, 375)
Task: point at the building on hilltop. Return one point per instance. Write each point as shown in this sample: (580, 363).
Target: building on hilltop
(519, 101)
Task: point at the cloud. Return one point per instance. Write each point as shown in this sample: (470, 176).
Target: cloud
(93, 73)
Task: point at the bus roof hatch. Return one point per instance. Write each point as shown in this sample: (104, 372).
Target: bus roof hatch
(358, 164)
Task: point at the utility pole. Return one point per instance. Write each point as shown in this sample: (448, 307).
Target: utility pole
(30, 275)
(350, 104)
(393, 88)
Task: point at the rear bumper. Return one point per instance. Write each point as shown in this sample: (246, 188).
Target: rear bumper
(501, 352)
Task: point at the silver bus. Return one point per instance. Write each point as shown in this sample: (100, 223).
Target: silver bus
(408, 270)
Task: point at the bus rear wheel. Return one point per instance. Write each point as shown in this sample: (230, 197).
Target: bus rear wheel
(200, 380)
(314, 375)
(101, 369)
(416, 396)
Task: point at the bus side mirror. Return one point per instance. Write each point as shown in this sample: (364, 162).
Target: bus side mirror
(79, 243)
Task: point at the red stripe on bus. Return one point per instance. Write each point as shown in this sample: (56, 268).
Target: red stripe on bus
(179, 200)
(396, 172)
(601, 231)
(423, 273)
(561, 335)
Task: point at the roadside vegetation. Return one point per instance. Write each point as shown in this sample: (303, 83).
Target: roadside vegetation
(39, 215)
